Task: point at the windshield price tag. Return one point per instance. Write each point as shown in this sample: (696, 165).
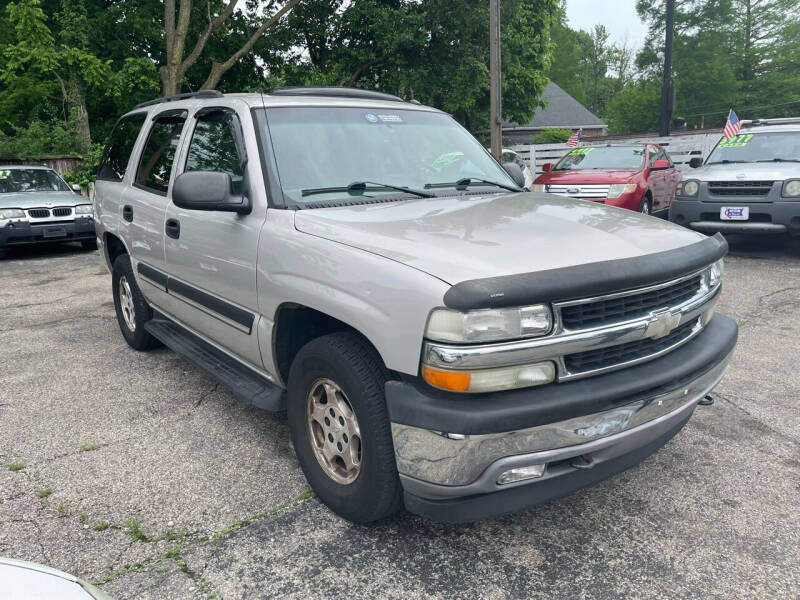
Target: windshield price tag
(383, 118)
(580, 151)
(737, 141)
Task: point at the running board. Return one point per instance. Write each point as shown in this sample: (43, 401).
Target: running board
(246, 384)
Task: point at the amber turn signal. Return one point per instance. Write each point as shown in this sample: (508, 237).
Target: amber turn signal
(446, 380)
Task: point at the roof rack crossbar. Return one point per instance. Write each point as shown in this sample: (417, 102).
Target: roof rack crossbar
(338, 92)
(175, 97)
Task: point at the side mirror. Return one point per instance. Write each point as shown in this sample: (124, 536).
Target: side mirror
(696, 162)
(208, 190)
(76, 188)
(516, 173)
(547, 167)
(660, 165)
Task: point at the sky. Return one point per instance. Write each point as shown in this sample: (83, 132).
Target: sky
(618, 16)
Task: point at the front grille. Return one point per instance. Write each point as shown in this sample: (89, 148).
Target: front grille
(739, 188)
(62, 212)
(581, 190)
(38, 213)
(611, 310)
(622, 353)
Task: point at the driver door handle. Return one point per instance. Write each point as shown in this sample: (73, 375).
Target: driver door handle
(127, 213)
(173, 228)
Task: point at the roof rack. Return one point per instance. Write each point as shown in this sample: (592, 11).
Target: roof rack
(336, 92)
(175, 97)
(777, 121)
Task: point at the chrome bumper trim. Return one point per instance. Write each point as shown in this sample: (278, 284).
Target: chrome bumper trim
(436, 465)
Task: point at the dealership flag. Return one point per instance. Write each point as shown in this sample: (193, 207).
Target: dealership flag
(575, 138)
(732, 126)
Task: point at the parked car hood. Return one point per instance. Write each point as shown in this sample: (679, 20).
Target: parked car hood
(40, 199)
(586, 176)
(472, 237)
(744, 172)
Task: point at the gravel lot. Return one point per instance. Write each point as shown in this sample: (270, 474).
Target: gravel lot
(139, 471)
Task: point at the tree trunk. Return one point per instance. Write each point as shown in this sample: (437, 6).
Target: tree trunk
(170, 81)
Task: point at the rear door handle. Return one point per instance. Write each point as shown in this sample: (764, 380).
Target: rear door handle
(127, 213)
(173, 228)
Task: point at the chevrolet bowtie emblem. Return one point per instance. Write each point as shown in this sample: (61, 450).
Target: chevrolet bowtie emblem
(661, 324)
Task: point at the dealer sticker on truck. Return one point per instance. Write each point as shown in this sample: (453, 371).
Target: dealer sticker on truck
(734, 213)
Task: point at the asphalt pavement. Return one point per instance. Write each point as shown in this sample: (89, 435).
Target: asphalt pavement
(139, 472)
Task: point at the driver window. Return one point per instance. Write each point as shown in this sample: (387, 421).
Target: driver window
(214, 148)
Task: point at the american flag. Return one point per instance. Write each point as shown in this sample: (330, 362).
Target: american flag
(575, 138)
(732, 126)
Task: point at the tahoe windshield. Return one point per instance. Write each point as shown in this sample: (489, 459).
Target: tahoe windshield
(612, 157)
(340, 155)
(31, 180)
(757, 147)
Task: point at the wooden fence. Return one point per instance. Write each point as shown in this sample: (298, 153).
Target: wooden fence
(681, 148)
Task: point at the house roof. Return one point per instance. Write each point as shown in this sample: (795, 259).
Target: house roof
(562, 111)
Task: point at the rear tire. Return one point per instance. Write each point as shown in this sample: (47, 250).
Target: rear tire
(131, 307)
(89, 244)
(339, 379)
(646, 206)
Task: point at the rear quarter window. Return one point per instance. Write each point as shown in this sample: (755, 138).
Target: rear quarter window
(117, 152)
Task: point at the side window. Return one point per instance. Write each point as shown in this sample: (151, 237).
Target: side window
(657, 153)
(215, 147)
(155, 164)
(119, 147)
(507, 157)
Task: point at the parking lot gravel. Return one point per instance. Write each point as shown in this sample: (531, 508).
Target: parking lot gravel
(139, 472)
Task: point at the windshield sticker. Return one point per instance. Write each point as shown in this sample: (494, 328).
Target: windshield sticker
(579, 151)
(737, 141)
(371, 118)
(448, 158)
(390, 118)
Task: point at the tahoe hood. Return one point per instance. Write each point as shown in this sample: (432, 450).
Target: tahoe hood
(472, 237)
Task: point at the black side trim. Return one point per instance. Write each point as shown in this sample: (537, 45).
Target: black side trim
(153, 275)
(424, 407)
(212, 303)
(474, 508)
(582, 281)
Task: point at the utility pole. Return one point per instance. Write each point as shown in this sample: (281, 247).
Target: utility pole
(495, 105)
(667, 91)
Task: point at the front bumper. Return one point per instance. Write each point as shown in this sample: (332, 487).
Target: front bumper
(766, 217)
(20, 233)
(583, 431)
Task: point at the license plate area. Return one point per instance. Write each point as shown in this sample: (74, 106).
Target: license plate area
(734, 213)
(54, 232)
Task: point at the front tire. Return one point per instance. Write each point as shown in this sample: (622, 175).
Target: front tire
(646, 206)
(131, 307)
(340, 427)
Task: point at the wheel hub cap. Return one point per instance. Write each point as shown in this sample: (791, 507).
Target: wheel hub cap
(333, 431)
(126, 303)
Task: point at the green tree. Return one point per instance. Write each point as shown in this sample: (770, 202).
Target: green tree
(635, 108)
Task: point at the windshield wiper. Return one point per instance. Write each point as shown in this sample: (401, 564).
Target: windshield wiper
(467, 181)
(725, 161)
(357, 188)
(779, 160)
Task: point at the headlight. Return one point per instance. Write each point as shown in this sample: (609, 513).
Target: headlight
(617, 189)
(689, 188)
(490, 380)
(538, 187)
(791, 188)
(11, 213)
(84, 209)
(489, 325)
(712, 276)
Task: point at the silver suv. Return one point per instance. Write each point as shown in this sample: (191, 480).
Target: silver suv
(37, 206)
(440, 339)
(749, 183)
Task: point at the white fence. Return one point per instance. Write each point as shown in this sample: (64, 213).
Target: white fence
(681, 148)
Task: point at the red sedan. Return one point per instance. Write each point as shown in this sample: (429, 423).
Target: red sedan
(636, 177)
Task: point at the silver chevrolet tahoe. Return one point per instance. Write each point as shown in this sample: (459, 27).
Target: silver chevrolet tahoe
(750, 183)
(439, 338)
